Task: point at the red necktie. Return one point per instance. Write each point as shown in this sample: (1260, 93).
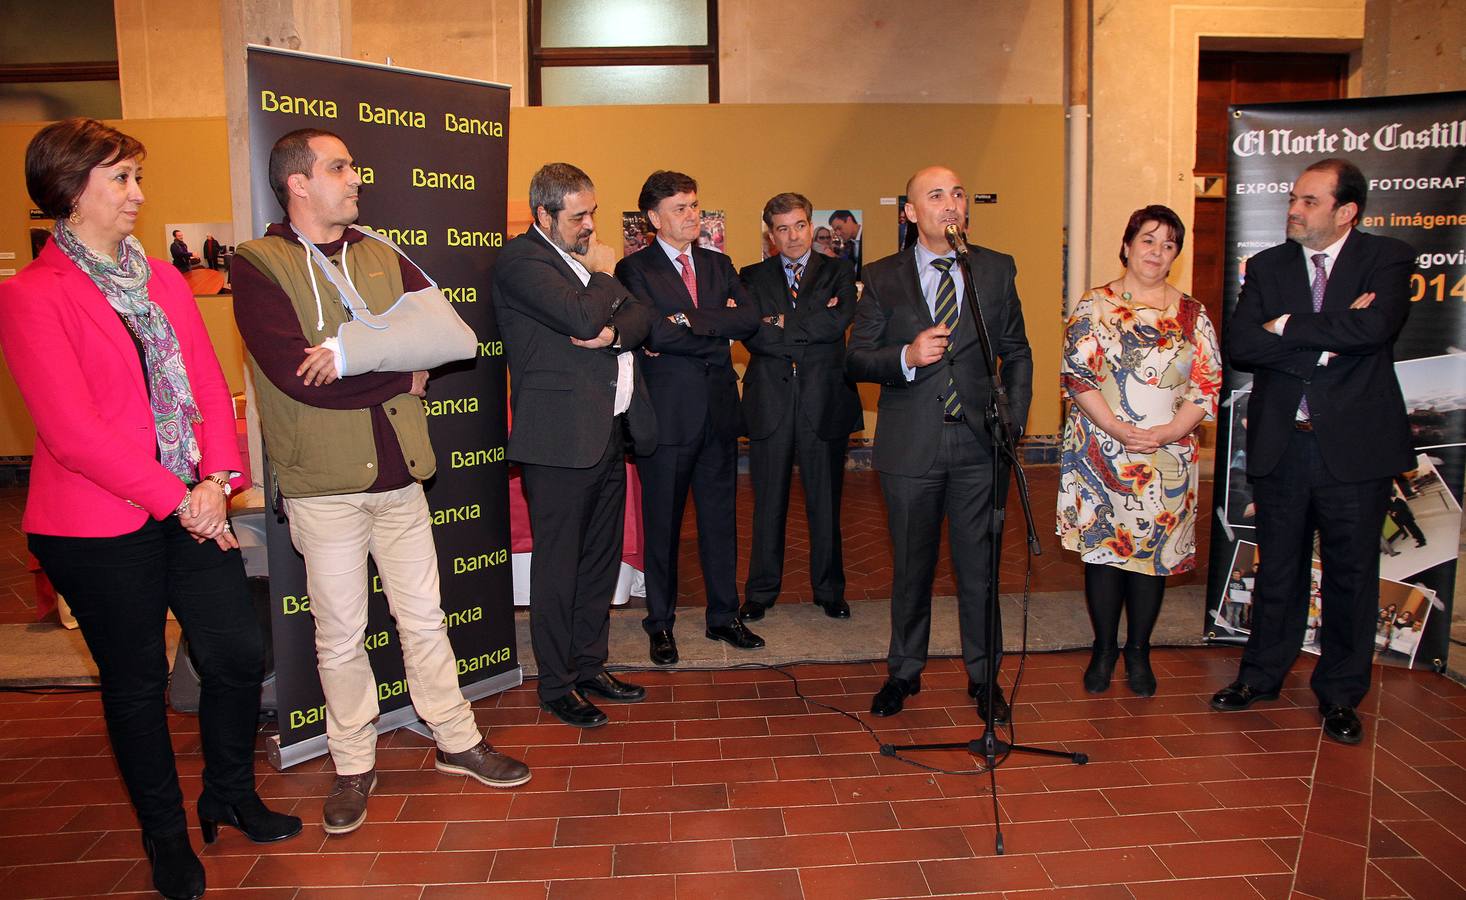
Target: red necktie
(688, 278)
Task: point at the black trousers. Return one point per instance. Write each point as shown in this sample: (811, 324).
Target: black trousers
(120, 590)
(959, 487)
(708, 467)
(822, 473)
(1293, 500)
(577, 517)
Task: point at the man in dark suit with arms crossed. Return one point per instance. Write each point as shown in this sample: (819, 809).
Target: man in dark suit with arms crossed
(914, 337)
(798, 402)
(569, 331)
(698, 305)
(1316, 324)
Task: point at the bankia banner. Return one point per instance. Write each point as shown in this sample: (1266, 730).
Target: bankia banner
(1412, 150)
(432, 152)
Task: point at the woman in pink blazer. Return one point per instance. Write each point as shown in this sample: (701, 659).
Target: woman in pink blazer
(128, 503)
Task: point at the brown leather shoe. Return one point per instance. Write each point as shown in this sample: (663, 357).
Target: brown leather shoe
(346, 806)
(485, 764)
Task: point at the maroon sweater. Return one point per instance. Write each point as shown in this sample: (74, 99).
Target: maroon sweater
(268, 324)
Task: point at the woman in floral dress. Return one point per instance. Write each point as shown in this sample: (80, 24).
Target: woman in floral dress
(1142, 368)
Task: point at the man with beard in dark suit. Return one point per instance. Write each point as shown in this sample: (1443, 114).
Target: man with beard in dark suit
(569, 331)
(798, 403)
(1316, 324)
(915, 338)
(698, 305)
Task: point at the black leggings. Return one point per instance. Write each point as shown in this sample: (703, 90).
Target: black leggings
(1108, 590)
(120, 589)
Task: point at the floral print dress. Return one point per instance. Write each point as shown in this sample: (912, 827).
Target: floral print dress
(1136, 511)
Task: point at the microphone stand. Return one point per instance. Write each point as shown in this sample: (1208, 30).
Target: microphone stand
(988, 745)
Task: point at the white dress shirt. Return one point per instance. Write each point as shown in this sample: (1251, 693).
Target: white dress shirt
(623, 359)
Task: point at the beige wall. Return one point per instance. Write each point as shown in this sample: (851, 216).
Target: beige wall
(1414, 46)
(879, 51)
(168, 58)
(771, 51)
(438, 36)
(1143, 99)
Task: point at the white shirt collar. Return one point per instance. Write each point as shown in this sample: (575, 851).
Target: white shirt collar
(1332, 251)
(673, 252)
(575, 265)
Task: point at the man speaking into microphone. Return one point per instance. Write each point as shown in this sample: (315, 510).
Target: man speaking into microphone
(915, 336)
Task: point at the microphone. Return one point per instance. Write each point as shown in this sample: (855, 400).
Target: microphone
(956, 239)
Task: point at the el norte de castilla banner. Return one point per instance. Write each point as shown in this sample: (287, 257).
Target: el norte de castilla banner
(1412, 151)
(432, 153)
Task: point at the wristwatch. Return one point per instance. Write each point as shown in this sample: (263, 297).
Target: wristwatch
(681, 319)
(223, 484)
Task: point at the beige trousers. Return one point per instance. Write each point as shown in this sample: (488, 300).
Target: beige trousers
(335, 534)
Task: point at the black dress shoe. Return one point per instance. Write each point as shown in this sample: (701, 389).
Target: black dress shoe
(835, 609)
(1138, 674)
(258, 822)
(1001, 713)
(892, 695)
(574, 709)
(1237, 696)
(1101, 668)
(177, 872)
(664, 648)
(609, 687)
(736, 634)
(1342, 724)
(752, 612)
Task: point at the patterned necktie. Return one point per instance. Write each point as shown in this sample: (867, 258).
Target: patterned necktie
(1320, 284)
(945, 314)
(688, 278)
(795, 270)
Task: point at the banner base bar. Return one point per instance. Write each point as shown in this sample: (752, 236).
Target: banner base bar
(282, 757)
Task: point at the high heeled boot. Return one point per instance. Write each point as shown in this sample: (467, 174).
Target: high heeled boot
(177, 872)
(258, 822)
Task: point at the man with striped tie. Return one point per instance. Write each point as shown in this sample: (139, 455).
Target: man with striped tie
(798, 404)
(914, 336)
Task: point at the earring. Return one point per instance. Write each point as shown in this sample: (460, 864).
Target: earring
(74, 219)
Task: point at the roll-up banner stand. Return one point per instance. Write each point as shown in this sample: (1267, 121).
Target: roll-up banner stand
(1412, 150)
(433, 155)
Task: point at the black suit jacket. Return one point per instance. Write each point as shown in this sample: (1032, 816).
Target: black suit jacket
(1355, 403)
(563, 396)
(892, 313)
(812, 338)
(691, 379)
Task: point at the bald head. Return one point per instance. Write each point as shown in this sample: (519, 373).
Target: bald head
(935, 199)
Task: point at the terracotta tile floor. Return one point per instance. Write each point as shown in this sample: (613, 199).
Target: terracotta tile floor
(725, 784)
(730, 786)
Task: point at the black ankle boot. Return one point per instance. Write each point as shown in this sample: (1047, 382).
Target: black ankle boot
(1101, 668)
(1137, 670)
(177, 872)
(251, 816)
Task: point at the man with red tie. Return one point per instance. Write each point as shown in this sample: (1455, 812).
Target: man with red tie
(700, 305)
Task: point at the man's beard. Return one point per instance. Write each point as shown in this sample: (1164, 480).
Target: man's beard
(581, 248)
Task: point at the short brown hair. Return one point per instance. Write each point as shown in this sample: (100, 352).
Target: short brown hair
(61, 157)
(662, 184)
(1153, 213)
(1350, 185)
(787, 202)
(292, 155)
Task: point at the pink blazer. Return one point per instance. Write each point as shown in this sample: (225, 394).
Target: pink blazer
(95, 472)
